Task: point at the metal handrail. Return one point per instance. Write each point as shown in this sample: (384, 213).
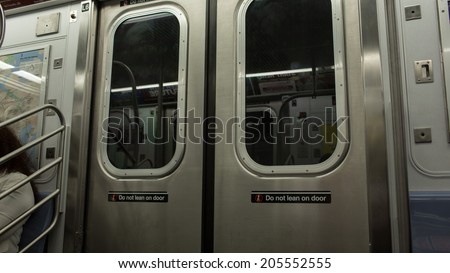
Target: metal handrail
(57, 162)
(31, 144)
(2, 25)
(53, 195)
(31, 177)
(34, 111)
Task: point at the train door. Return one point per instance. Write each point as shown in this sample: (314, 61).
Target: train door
(424, 44)
(145, 171)
(294, 161)
(300, 159)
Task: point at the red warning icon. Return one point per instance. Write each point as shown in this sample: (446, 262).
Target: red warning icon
(259, 198)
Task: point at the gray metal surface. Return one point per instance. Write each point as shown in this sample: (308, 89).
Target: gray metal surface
(445, 45)
(399, 202)
(422, 135)
(174, 226)
(59, 86)
(425, 105)
(424, 71)
(37, 6)
(358, 185)
(340, 226)
(47, 24)
(425, 110)
(73, 228)
(375, 131)
(413, 12)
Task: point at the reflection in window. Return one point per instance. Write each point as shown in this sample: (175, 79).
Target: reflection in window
(290, 69)
(22, 81)
(144, 89)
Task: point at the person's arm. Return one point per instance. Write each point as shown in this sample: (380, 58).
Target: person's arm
(14, 204)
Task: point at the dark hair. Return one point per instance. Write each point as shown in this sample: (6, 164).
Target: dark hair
(9, 143)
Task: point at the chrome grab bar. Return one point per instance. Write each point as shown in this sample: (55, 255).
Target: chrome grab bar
(57, 162)
(2, 25)
(443, 6)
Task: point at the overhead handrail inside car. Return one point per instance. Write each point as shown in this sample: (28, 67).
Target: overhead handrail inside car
(134, 102)
(135, 159)
(133, 88)
(2, 25)
(54, 195)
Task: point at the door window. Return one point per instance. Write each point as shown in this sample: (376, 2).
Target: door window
(146, 94)
(290, 59)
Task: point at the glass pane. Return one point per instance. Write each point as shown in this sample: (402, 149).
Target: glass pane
(144, 87)
(289, 65)
(22, 79)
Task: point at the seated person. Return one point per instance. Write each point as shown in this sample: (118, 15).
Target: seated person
(16, 203)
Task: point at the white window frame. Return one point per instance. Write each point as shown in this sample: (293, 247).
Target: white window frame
(341, 101)
(181, 96)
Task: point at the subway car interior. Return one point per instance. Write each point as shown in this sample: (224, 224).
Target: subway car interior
(226, 126)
